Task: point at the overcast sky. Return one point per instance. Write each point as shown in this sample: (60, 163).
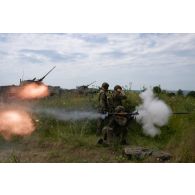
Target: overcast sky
(140, 59)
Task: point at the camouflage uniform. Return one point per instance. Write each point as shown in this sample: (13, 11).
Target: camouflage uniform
(117, 97)
(117, 128)
(103, 101)
(103, 107)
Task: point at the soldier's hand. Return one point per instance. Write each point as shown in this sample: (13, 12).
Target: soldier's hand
(122, 93)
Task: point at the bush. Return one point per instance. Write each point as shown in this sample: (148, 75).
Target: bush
(191, 94)
(157, 89)
(180, 92)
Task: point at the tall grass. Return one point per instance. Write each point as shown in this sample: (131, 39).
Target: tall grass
(177, 137)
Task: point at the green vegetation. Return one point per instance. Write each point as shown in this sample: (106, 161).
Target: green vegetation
(180, 92)
(157, 89)
(75, 141)
(191, 94)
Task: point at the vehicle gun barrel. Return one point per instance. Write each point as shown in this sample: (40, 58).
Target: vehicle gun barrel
(91, 83)
(41, 79)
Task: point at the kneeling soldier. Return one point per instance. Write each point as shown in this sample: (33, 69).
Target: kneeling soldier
(117, 127)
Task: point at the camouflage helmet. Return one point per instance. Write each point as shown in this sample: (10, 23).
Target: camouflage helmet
(117, 87)
(119, 109)
(105, 85)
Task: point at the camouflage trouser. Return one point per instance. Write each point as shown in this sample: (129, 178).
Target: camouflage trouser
(107, 133)
(100, 124)
(110, 134)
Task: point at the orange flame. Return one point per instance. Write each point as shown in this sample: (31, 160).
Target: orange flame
(15, 122)
(32, 91)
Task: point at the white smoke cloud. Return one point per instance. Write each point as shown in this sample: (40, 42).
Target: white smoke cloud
(153, 113)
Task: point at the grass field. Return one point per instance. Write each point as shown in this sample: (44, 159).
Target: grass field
(75, 141)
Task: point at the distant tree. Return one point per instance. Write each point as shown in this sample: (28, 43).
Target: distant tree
(164, 91)
(180, 92)
(157, 89)
(191, 94)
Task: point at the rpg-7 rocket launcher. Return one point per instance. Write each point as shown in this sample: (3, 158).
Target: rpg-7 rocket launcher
(122, 114)
(181, 113)
(135, 113)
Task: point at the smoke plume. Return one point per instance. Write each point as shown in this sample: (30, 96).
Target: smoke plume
(64, 115)
(153, 113)
(14, 116)
(15, 121)
(30, 91)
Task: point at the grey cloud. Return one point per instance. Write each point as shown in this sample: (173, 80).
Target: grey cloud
(3, 38)
(3, 53)
(30, 59)
(114, 54)
(185, 53)
(51, 55)
(141, 58)
(92, 38)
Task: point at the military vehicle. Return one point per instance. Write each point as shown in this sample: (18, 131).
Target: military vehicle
(34, 80)
(55, 90)
(8, 92)
(84, 89)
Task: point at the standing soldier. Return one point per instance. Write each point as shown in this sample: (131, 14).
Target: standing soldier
(103, 106)
(117, 97)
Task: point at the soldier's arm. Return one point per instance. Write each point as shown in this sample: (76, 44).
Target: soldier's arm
(122, 95)
(103, 100)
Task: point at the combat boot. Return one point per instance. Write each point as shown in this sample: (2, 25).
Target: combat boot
(100, 141)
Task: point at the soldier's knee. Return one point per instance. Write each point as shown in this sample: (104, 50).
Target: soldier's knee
(107, 129)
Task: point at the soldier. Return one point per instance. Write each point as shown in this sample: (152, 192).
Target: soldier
(103, 106)
(117, 97)
(117, 127)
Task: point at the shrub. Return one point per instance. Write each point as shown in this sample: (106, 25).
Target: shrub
(191, 94)
(157, 89)
(180, 92)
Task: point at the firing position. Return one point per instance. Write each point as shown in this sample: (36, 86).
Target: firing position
(117, 127)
